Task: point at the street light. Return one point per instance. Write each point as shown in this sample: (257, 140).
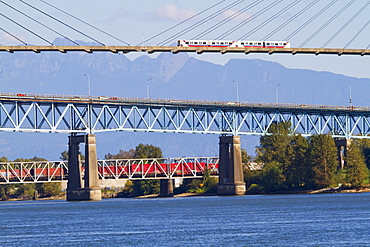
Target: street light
(237, 91)
(277, 93)
(88, 82)
(350, 95)
(147, 87)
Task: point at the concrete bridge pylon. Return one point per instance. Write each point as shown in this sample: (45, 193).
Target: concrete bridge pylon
(90, 191)
(231, 179)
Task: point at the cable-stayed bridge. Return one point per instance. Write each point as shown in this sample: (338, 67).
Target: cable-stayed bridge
(330, 27)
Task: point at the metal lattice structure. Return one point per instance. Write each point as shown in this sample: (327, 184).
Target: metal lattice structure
(81, 114)
(132, 169)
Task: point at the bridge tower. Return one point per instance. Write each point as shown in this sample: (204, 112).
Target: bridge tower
(90, 189)
(231, 180)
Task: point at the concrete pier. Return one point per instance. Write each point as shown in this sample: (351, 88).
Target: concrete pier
(231, 179)
(342, 147)
(91, 189)
(166, 188)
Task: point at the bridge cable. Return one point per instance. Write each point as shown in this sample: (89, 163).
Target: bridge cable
(310, 20)
(84, 22)
(286, 8)
(228, 19)
(26, 29)
(37, 22)
(290, 20)
(357, 34)
(327, 23)
(208, 18)
(347, 23)
(182, 22)
(14, 36)
(222, 36)
(61, 22)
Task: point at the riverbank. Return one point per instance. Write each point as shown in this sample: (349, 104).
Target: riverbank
(114, 195)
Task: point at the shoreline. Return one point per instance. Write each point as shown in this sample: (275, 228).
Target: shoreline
(287, 192)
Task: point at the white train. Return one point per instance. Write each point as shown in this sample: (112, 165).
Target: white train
(231, 43)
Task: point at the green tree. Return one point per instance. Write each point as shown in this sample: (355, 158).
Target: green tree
(4, 159)
(323, 159)
(121, 155)
(364, 145)
(272, 177)
(146, 187)
(52, 189)
(356, 170)
(147, 151)
(64, 155)
(298, 170)
(245, 157)
(276, 145)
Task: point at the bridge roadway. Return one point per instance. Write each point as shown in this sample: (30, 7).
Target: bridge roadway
(93, 114)
(176, 49)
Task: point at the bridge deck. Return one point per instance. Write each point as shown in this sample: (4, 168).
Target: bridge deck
(104, 100)
(176, 49)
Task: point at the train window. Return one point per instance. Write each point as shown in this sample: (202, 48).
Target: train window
(187, 42)
(191, 43)
(242, 43)
(204, 43)
(213, 43)
(276, 43)
(284, 44)
(267, 43)
(251, 43)
(259, 43)
(230, 43)
(221, 43)
(196, 43)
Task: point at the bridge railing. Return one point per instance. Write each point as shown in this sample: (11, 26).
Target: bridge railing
(163, 168)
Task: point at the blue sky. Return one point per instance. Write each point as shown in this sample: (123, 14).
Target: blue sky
(135, 21)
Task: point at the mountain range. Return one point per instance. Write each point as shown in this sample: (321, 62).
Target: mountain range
(171, 76)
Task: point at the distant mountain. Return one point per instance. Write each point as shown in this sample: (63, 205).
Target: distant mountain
(168, 76)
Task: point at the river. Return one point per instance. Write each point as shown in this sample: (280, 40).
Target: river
(253, 220)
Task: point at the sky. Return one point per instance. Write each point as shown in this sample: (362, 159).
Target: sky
(137, 21)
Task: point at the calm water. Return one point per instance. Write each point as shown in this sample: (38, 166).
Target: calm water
(281, 220)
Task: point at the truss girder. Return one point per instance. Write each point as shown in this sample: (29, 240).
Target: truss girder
(133, 169)
(90, 117)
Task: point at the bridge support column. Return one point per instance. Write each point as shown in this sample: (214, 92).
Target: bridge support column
(91, 189)
(231, 180)
(166, 188)
(342, 146)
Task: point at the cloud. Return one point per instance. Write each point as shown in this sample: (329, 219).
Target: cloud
(171, 13)
(118, 15)
(237, 17)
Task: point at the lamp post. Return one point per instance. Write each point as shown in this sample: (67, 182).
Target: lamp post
(237, 90)
(277, 93)
(350, 95)
(147, 87)
(88, 82)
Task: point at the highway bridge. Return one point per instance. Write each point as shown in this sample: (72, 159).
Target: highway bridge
(177, 49)
(76, 114)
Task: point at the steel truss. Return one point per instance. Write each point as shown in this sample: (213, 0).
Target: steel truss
(78, 114)
(57, 171)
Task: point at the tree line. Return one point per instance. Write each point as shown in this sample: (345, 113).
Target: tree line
(291, 161)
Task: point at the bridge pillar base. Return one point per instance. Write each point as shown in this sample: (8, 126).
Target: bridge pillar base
(84, 194)
(231, 189)
(166, 188)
